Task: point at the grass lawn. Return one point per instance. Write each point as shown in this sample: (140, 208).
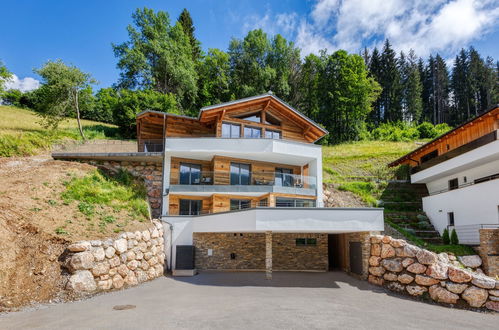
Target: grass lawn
(21, 133)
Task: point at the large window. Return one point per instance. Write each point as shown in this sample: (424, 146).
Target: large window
(232, 131)
(190, 206)
(269, 134)
(284, 177)
(239, 204)
(294, 202)
(190, 173)
(240, 174)
(252, 132)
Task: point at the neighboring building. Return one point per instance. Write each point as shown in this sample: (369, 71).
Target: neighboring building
(241, 188)
(461, 171)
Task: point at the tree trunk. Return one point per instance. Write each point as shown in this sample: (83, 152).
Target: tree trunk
(78, 116)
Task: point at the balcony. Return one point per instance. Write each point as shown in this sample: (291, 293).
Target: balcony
(251, 182)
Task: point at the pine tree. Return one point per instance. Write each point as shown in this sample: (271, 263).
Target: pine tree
(375, 72)
(391, 96)
(186, 21)
(460, 91)
(412, 88)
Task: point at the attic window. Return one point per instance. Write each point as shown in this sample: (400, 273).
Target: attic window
(254, 117)
(269, 119)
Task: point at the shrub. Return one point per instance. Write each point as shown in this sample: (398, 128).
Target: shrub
(454, 240)
(445, 237)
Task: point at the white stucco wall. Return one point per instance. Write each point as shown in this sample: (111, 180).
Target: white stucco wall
(475, 204)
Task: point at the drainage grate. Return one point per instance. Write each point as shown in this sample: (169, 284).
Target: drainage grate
(123, 307)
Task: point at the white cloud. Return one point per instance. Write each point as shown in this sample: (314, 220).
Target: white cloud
(427, 26)
(24, 85)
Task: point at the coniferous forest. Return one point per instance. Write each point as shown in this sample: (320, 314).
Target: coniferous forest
(163, 67)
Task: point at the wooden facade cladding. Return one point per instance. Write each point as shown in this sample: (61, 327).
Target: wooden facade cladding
(217, 203)
(219, 169)
(152, 125)
(461, 135)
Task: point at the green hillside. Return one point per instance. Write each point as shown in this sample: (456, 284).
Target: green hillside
(22, 135)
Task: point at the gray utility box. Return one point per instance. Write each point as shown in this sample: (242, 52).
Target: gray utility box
(185, 257)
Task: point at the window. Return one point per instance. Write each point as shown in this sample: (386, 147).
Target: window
(269, 119)
(487, 178)
(190, 206)
(293, 202)
(190, 173)
(269, 134)
(306, 241)
(252, 132)
(232, 131)
(450, 217)
(284, 177)
(239, 174)
(453, 184)
(429, 156)
(255, 117)
(239, 204)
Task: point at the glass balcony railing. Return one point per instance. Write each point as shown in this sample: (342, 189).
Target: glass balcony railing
(241, 178)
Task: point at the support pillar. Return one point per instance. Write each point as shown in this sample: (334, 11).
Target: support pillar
(268, 255)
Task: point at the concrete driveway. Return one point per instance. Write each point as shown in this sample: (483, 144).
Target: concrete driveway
(248, 301)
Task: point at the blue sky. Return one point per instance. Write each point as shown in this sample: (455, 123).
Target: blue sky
(81, 32)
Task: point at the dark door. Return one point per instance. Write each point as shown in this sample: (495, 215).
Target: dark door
(356, 258)
(334, 251)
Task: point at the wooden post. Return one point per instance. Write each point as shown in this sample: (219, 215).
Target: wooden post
(268, 255)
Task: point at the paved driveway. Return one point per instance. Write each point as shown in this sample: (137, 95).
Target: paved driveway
(247, 301)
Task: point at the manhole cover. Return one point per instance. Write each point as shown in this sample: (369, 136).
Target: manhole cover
(123, 307)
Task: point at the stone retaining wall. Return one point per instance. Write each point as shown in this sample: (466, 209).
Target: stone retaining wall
(489, 250)
(109, 264)
(411, 270)
(150, 172)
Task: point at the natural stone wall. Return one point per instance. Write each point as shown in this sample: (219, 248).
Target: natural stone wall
(364, 239)
(130, 259)
(443, 278)
(489, 250)
(150, 172)
(249, 251)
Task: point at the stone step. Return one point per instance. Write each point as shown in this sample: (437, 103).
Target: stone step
(432, 240)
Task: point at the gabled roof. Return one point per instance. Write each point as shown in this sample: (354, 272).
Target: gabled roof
(492, 111)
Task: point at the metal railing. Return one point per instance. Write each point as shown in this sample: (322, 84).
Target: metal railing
(150, 145)
(252, 179)
(470, 234)
(464, 185)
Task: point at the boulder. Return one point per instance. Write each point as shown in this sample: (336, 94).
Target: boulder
(96, 243)
(141, 275)
(374, 261)
(154, 233)
(153, 261)
(98, 253)
(131, 279)
(475, 297)
(390, 277)
(138, 235)
(426, 257)
(393, 265)
(79, 246)
(415, 290)
(81, 281)
(144, 265)
(139, 255)
(438, 271)
(398, 243)
(405, 278)
(439, 294)
(473, 261)
(114, 261)
(387, 251)
(151, 273)
(142, 247)
(443, 257)
(132, 265)
(416, 268)
(375, 280)
(492, 305)
(494, 293)
(146, 235)
(376, 238)
(82, 260)
(411, 250)
(105, 284)
(386, 239)
(396, 286)
(407, 262)
(101, 268)
(159, 270)
(484, 282)
(130, 235)
(426, 280)
(455, 287)
(376, 271)
(118, 281)
(123, 270)
(130, 255)
(120, 245)
(375, 249)
(148, 255)
(458, 275)
(110, 252)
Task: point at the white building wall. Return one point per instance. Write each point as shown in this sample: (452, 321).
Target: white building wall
(472, 205)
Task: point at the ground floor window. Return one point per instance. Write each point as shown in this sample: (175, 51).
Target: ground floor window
(306, 241)
(294, 202)
(450, 215)
(190, 206)
(239, 204)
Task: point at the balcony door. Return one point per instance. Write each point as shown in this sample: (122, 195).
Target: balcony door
(190, 206)
(240, 174)
(284, 177)
(190, 173)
